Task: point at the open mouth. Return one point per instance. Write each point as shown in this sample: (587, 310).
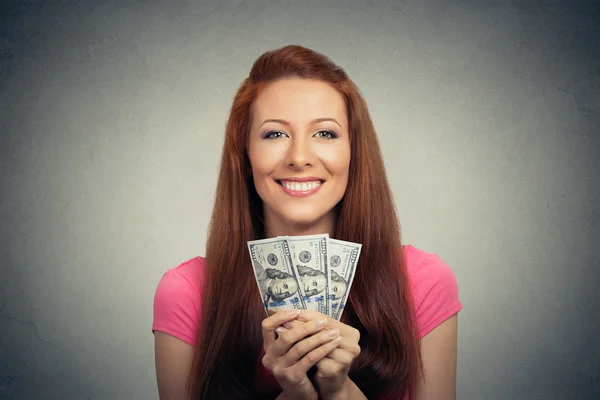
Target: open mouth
(305, 186)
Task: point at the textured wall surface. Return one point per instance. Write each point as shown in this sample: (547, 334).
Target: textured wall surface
(111, 124)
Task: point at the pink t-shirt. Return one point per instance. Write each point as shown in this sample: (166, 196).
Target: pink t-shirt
(433, 285)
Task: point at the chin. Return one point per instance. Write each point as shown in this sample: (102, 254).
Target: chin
(306, 218)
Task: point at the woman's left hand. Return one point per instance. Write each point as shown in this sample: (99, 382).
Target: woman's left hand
(332, 371)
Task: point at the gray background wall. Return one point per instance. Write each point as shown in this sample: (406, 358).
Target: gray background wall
(112, 120)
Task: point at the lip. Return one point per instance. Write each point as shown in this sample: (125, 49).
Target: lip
(299, 193)
(301, 179)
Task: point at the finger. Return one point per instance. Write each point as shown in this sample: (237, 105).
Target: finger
(318, 354)
(293, 323)
(287, 339)
(305, 346)
(311, 315)
(332, 323)
(328, 368)
(296, 322)
(271, 323)
(349, 344)
(281, 330)
(340, 355)
(290, 324)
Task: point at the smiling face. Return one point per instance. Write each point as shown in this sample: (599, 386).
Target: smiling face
(299, 150)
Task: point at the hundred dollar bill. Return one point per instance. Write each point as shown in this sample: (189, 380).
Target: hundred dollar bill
(309, 255)
(276, 278)
(343, 258)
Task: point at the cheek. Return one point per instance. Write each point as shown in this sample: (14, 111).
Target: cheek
(258, 166)
(260, 172)
(337, 160)
(265, 157)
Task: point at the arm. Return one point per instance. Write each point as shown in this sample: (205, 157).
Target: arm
(173, 360)
(351, 391)
(439, 353)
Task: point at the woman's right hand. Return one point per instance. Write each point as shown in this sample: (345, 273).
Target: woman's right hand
(290, 354)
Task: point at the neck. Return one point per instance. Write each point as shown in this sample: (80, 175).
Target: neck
(276, 227)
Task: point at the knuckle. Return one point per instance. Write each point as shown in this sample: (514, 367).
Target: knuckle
(313, 357)
(294, 353)
(306, 329)
(338, 369)
(266, 361)
(286, 338)
(326, 372)
(296, 377)
(289, 376)
(298, 350)
(348, 359)
(278, 372)
(324, 375)
(265, 324)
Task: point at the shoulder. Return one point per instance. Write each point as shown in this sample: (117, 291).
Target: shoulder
(434, 288)
(424, 266)
(185, 277)
(177, 300)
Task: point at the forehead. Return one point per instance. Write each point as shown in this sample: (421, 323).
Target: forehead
(299, 101)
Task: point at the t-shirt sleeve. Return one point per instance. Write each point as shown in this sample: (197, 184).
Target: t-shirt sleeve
(435, 292)
(176, 307)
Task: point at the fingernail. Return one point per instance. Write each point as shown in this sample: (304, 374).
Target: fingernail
(287, 325)
(280, 330)
(292, 312)
(333, 333)
(300, 314)
(320, 323)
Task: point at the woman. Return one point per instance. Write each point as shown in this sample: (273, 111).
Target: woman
(299, 118)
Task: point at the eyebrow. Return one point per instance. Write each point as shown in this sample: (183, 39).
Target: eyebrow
(314, 121)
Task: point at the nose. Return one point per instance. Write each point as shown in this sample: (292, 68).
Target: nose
(300, 154)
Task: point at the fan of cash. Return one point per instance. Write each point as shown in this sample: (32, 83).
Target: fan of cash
(310, 272)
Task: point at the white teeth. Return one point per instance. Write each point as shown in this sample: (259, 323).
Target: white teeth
(300, 186)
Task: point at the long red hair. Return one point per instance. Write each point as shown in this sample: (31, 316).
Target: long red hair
(229, 335)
